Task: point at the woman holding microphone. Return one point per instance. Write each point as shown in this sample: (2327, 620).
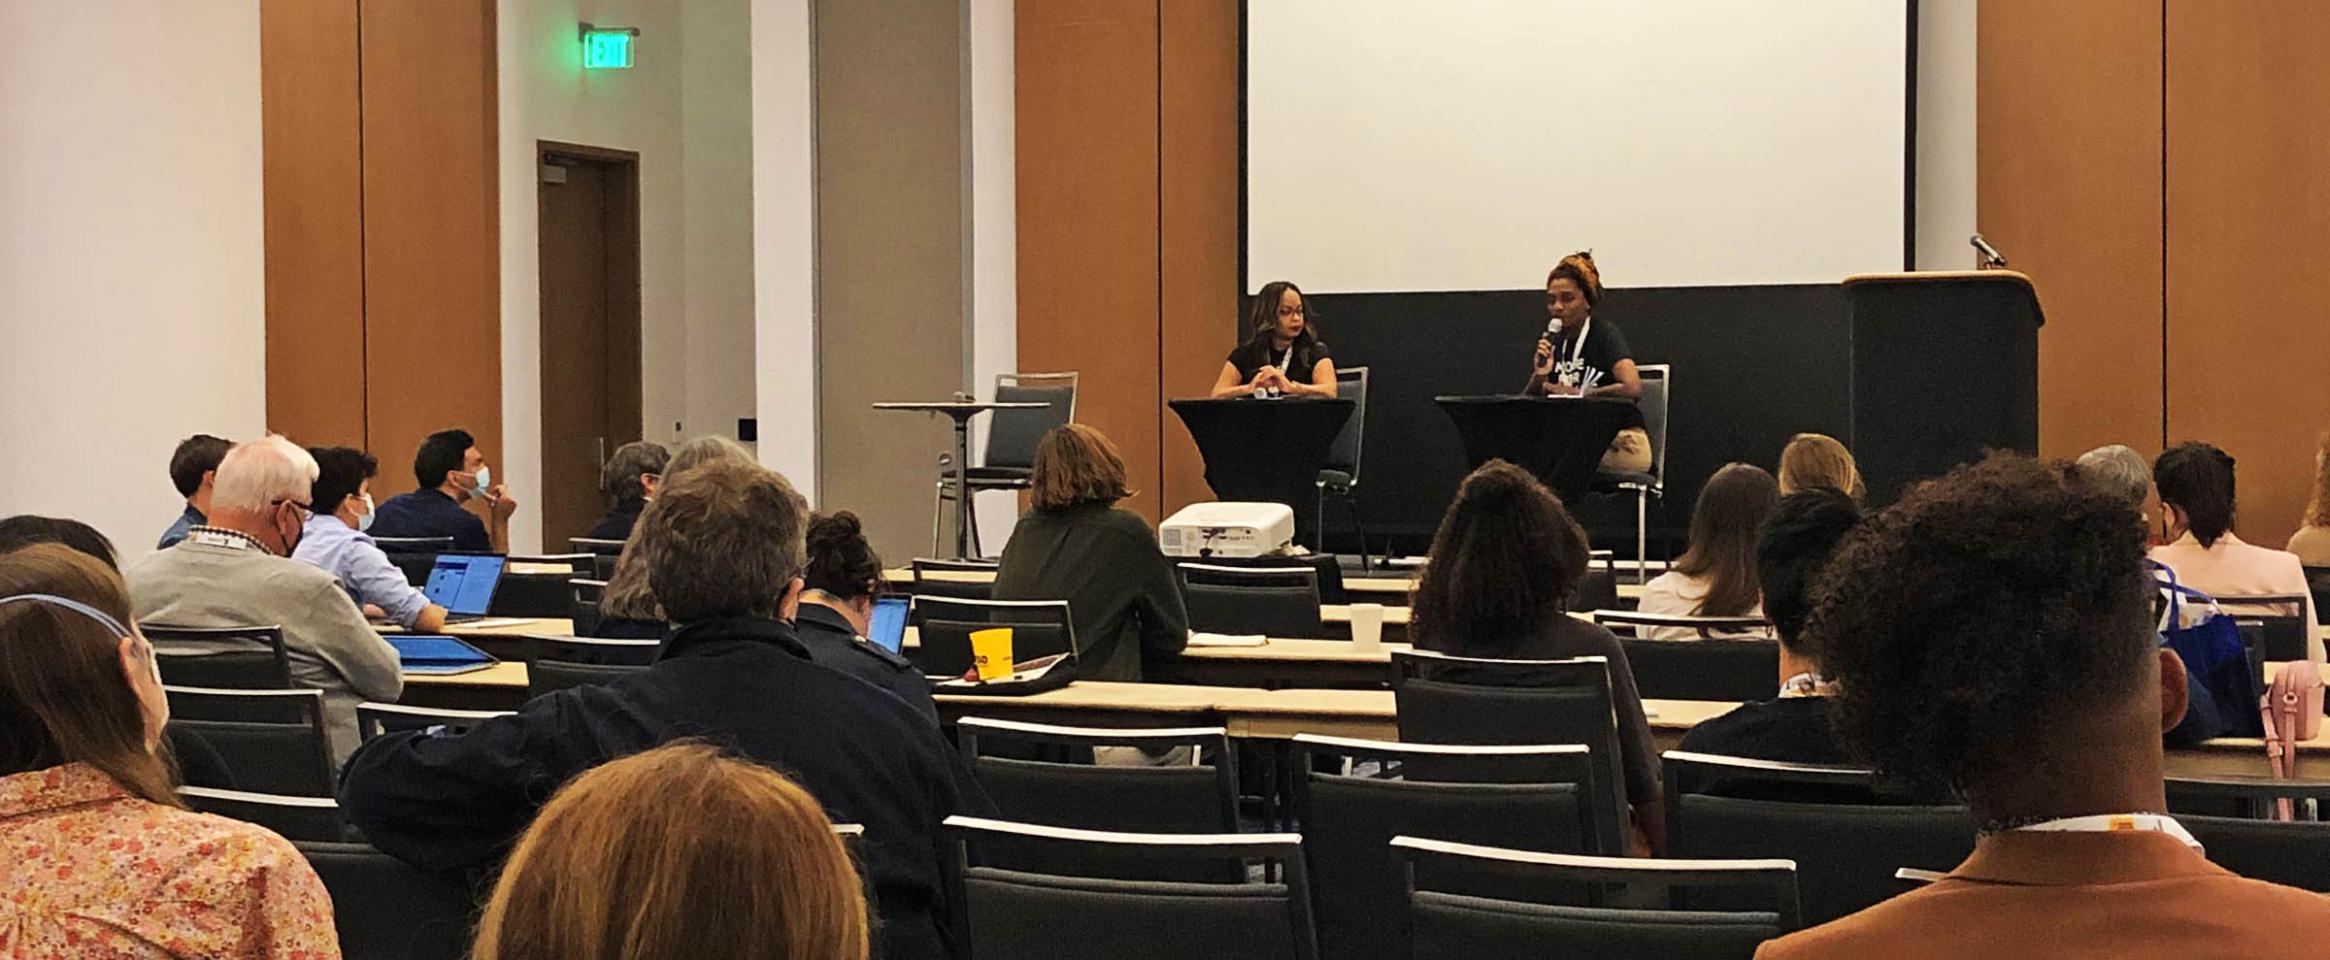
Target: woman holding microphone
(1582, 356)
(1284, 357)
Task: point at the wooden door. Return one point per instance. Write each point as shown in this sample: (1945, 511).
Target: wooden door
(589, 242)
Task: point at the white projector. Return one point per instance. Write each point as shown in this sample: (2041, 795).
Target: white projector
(1227, 530)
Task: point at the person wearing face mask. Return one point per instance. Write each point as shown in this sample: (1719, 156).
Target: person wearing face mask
(335, 540)
(451, 472)
(1584, 355)
(839, 583)
(237, 571)
(1284, 357)
(102, 857)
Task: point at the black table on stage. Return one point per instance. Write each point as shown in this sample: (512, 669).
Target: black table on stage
(1266, 450)
(1560, 440)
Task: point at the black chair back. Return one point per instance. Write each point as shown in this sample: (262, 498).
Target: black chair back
(290, 756)
(245, 658)
(1668, 626)
(1703, 669)
(2293, 854)
(2281, 618)
(1834, 822)
(1598, 590)
(1460, 700)
(585, 612)
(1012, 435)
(244, 706)
(1281, 601)
(2318, 582)
(1450, 924)
(416, 556)
(953, 579)
(294, 817)
(1144, 794)
(2242, 797)
(545, 676)
(1349, 819)
(1012, 913)
(1343, 454)
(374, 719)
(595, 546)
(1328, 569)
(600, 651)
(387, 909)
(1039, 628)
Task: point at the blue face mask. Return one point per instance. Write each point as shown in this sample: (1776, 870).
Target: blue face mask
(364, 520)
(485, 480)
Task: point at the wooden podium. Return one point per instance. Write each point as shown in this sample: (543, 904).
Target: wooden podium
(1945, 368)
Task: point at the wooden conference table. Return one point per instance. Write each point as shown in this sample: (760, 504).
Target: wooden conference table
(1385, 590)
(1247, 712)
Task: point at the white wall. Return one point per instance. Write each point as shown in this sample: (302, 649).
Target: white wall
(132, 307)
(784, 231)
(1945, 134)
(993, 225)
(692, 278)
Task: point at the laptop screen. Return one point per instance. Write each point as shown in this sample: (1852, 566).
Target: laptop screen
(464, 583)
(887, 627)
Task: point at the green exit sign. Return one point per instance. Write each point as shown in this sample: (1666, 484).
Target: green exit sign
(607, 48)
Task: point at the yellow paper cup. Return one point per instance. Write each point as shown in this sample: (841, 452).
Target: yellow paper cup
(991, 652)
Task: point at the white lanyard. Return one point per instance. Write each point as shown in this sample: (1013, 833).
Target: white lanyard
(1288, 358)
(1578, 352)
(2117, 823)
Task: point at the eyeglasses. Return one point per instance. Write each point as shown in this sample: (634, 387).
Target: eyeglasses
(304, 508)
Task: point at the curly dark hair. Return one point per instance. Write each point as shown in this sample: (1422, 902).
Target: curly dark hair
(840, 561)
(1793, 548)
(1971, 619)
(1507, 557)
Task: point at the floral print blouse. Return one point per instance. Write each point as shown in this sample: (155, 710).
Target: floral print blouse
(89, 870)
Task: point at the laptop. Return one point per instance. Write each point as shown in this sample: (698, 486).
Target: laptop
(887, 627)
(464, 584)
(437, 656)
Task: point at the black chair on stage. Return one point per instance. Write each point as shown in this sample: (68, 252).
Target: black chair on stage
(1012, 436)
(387, 909)
(1651, 484)
(1444, 923)
(1039, 628)
(1280, 601)
(1462, 700)
(1339, 477)
(241, 658)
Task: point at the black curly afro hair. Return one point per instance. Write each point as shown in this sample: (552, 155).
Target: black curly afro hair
(1970, 619)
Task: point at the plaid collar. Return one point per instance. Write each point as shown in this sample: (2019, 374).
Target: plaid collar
(223, 537)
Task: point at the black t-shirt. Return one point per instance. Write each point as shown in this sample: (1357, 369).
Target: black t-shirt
(1256, 353)
(1597, 359)
(1786, 730)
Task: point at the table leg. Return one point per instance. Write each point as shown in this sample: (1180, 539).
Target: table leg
(963, 488)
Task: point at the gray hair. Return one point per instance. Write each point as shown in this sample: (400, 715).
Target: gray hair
(2119, 469)
(621, 476)
(628, 595)
(257, 474)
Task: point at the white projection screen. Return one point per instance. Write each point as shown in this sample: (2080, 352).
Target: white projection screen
(1447, 145)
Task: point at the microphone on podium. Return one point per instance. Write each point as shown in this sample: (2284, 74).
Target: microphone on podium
(1991, 258)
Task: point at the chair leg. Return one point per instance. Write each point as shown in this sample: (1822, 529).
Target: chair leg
(1359, 519)
(1641, 536)
(977, 552)
(938, 514)
(1319, 514)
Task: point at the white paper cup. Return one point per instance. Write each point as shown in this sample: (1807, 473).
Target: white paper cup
(1367, 626)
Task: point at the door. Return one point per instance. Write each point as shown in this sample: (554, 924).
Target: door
(589, 241)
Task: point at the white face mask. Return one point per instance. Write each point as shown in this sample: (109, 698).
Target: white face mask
(364, 520)
(485, 479)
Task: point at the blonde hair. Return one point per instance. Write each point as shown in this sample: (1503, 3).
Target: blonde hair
(1074, 465)
(627, 595)
(1818, 460)
(257, 474)
(677, 852)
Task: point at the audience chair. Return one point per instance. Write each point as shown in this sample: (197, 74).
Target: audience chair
(1012, 913)
(1172, 780)
(1835, 823)
(1039, 628)
(545, 676)
(1339, 476)
(2245, 797)
(268, 741)
(599, 651)
(295, 817)
(585, 612)
(374, 719)
(416, 556)
(1452, 924)
(387, 909)
(595, 546)
(953, 579)
(1630, 623)
(2282, 617)
(1651, 485)
(1349, 814)
(1280, 601)
(1012, 436)
(539, 596)
(1742, 669)
(2293, 853)
(248, 658)
(1328, 569)
(2318, 582)
(1462, 700)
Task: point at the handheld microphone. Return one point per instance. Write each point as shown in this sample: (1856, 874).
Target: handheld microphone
(1991, 258)
(1552, 329)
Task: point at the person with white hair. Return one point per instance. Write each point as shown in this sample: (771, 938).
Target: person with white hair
(2118, 468)
(236, 571)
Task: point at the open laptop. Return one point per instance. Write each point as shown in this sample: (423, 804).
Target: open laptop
(438, 656)
(887, 627)
(464, 584)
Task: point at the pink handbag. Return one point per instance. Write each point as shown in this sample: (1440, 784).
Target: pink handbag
(2292, 711)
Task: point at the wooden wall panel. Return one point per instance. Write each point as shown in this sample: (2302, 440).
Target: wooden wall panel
(2068, 186)
(432, 245)
(1085, 85)
(1198, 216)
(2248, 231)
(314, 220)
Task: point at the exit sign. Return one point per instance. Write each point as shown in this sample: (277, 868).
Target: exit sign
(607, 48)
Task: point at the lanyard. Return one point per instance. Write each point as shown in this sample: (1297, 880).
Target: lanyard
(1288, 358)
(1578, 351)
(2116, 823)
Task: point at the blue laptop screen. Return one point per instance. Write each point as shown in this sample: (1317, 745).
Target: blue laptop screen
(464, 583)
(888, 627)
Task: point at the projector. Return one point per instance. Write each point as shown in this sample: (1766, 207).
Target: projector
(1227, 530)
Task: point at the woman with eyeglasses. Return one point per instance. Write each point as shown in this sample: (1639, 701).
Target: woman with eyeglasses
(1283, 356)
